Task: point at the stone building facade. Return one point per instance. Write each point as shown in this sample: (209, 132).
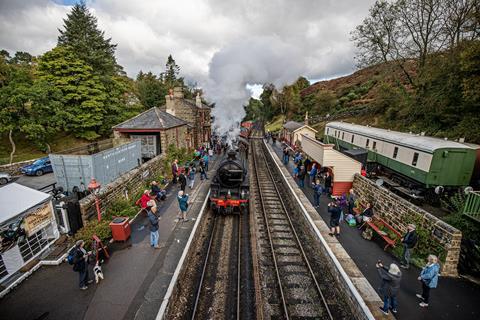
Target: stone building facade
(398, 212)
(195, 113)
(156, 129)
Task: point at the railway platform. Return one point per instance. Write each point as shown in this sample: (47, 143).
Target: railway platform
(455, 298)
(136, 275)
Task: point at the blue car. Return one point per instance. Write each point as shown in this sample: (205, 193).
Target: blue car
(39, 167)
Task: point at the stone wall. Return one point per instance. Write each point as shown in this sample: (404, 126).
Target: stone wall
(399, 212)
(14, 168)
(127, 185)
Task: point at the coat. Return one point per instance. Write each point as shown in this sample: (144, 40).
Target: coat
(390, 282)
(429, 275)
(183, 202)
(152, 218)
(410, 239)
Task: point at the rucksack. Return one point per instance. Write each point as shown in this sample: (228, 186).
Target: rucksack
(71, 256)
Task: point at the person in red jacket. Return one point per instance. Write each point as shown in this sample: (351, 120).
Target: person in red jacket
(143, 201)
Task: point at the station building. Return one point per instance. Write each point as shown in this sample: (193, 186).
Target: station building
(156, 129)
(292, 132)
(195, 113)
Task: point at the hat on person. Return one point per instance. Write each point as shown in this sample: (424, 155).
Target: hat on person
(79, 242)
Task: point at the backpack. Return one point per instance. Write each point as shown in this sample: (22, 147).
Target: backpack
(71, 256)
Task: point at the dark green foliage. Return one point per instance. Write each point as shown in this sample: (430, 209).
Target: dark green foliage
(253, 110)
(151, 91)
(81, 33)
(170, 76)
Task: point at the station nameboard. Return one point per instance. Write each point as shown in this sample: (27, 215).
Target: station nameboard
(39, 218)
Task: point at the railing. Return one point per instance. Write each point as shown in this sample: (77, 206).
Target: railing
(472, 205)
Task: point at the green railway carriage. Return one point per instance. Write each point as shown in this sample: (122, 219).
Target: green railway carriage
(429, 161)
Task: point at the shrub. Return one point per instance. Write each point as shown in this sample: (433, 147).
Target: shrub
(93, 227)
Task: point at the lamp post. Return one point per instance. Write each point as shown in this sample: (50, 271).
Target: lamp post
(94, 187)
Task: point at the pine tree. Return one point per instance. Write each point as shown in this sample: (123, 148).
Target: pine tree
(81, 33)
(172, 71)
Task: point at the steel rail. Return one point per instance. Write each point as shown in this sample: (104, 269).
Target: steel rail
(319, 290)
(284, 303)
(204, 268)
(239, 255)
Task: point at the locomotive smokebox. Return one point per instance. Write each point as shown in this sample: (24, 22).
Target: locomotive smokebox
(232, 155)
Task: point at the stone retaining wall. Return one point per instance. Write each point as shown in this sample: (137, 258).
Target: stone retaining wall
(399, 212)
(127, 185)
(14, 168)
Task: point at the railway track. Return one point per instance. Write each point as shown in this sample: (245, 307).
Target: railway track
(291, 288)
(224, 291)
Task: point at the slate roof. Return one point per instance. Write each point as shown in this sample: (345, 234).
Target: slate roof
(193, 104)
(422, 143)
(153, 118)
(292, 125)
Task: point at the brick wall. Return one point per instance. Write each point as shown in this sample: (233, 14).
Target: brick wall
(14, 168)
(128, 184)
(398, 212)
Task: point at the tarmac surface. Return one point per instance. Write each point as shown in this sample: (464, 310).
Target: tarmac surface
(35, 182)
(136, 275)
(454, 298)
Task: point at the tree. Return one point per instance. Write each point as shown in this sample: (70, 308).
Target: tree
(253, 110)
(81, 33)
(83, 94)
(150, 89)
(170, 76)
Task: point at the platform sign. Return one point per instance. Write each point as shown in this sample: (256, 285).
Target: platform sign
(38, 219)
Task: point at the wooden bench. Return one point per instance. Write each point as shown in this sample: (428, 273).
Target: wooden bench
(376, 223)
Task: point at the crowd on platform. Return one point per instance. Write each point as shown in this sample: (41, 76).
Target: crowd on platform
(348, 208)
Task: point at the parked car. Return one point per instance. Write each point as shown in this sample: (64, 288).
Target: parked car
(39, 167)
(5, 178)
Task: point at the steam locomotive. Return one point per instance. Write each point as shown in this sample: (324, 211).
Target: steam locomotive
(230, 188)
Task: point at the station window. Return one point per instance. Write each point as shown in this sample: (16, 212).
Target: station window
(343, 135)
(374, 147)
(415, 159)
(353, 137)
(395, 152)
(368, 142)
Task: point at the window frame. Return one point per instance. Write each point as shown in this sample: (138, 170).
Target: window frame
(353, 138)
(395, 152)
(367, 144)
(416, 155)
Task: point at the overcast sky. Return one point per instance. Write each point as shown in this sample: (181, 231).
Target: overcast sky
(146, 31)
(228, 47)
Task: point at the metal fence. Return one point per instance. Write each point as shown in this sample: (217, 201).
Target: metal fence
(472, 205)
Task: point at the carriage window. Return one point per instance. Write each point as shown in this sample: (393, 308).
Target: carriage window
(395, 152)
(328, 129)
(374, 147)
(353, 137)
(368, 142)
(415, 159)
(343, 135)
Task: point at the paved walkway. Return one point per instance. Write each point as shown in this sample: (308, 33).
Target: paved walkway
(136, 276)
(455, 298)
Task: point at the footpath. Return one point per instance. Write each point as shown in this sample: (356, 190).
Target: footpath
(455, 298)
(136, 275)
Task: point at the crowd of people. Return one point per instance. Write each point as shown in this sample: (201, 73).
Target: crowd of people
(349, 209)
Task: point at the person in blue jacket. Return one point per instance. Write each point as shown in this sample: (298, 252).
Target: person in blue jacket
(429, 279)
(183, 204)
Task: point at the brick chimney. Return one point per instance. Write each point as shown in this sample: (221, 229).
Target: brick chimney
(178, 93)
(198, 100)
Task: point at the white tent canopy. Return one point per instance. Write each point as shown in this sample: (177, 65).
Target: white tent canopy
(16, 199)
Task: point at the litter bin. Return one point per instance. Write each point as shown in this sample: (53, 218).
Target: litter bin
(120, 229)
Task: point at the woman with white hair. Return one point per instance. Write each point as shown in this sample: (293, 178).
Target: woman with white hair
(390, 285)
(183, 204)
(429, 279)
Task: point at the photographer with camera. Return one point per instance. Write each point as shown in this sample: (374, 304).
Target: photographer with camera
(335, 213)
(390, 285)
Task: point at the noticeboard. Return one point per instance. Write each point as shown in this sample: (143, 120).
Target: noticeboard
(38, 218)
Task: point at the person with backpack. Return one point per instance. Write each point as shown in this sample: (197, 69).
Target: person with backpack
(183, 205)
(409, 240)
(182, 179)
(153, 223)
(429, 279)
(390, 286)
(301, 176)
(78, 256)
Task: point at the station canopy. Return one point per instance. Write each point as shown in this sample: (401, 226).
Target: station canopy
(16, 199)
